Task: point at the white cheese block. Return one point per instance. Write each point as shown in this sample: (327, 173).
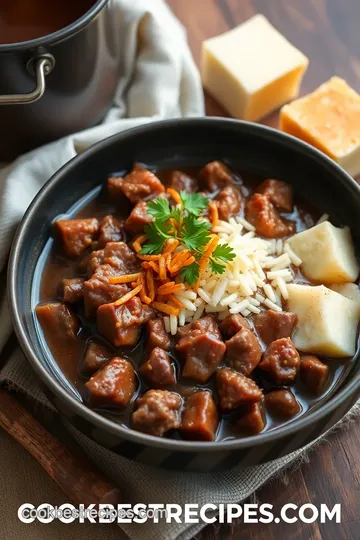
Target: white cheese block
(327, 321)
(252, 69)
(327, 254)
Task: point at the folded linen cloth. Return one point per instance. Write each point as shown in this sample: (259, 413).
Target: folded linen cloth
(160, 81)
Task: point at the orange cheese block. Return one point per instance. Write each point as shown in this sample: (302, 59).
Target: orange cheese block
(329, 119)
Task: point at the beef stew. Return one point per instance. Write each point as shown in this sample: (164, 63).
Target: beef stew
(145, 341)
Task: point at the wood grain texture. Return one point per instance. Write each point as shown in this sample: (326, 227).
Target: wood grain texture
(327, 31)
(73, 473)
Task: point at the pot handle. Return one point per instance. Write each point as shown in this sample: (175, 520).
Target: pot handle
(39, 67)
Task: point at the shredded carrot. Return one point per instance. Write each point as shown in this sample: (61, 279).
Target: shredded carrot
(214, 213)
(170, 245)
(175, 301)
(150, 284)
(168, 261)
(170, 287)
(165, 308)
(174, 194)
(138, 242)
(149, 257)
(189, 261)
(134, 284)
(162, 268)
(128, 296)
(127, 278)
(150, 265)
(180, 256)
(211, 246)
(144, 297)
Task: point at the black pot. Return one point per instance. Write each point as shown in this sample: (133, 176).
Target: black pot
(60, 83)
(175, 143)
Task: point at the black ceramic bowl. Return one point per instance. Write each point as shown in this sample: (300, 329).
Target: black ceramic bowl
(175, 143)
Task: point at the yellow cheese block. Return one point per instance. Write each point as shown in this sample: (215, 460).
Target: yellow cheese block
(329, 119)
(252, 70)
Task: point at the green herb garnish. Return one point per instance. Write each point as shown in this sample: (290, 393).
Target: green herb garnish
(184, 222)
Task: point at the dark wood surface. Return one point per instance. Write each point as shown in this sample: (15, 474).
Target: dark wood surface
(328, 32)
(73, 472)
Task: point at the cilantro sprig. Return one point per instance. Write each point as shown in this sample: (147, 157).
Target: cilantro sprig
(185, 223)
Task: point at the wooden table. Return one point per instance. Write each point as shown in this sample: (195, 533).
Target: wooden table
(327, 31)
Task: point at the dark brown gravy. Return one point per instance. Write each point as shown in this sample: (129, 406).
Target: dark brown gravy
(58, 266)
(23, 20)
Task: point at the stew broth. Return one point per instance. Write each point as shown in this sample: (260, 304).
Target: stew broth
(24, 20)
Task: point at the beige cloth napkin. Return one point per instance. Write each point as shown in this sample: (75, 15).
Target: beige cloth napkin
(160, 81)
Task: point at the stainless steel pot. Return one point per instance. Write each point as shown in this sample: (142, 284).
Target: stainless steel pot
(60, 83)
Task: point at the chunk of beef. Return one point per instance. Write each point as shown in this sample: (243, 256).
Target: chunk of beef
(200, 417)
(280, 194)
(236, 390)
(313, 373)
(95, 357)
(282, 404)
(232, 324)
(251, 419)
(202, 355)
(181, 182)
(77, 234)
(215, 175)
(157, 336)
(158, 370)
(72, 290)
(98, 291)
(114, 260)
(141, 184)
(201, 347)
(121, 325)
(58, 321)
(114, 385)
(118, 255)
(228, 202)
(206, 324)
(138, 218)
(156, 412)
(243, 351)
(273, 325)
(111, 230)
(281, 360)
(261, 213)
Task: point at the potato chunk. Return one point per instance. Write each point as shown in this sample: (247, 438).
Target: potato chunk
(327, 254)
(350, 290)
(327, 321)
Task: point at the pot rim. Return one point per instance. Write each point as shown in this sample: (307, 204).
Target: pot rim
(79, 408)
(59, 35)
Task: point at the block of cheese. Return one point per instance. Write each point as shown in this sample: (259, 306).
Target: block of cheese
(327, 253)
(329, 119)
(252, 69)
(327, 321)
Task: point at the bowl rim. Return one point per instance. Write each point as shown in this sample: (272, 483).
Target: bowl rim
(79, 408)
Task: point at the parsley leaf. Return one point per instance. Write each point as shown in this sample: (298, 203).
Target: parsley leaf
(216, 267)
(195, 234)
(193, 203)
(190, 273)
(157, 234)
(224, 253)
(159, 209)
